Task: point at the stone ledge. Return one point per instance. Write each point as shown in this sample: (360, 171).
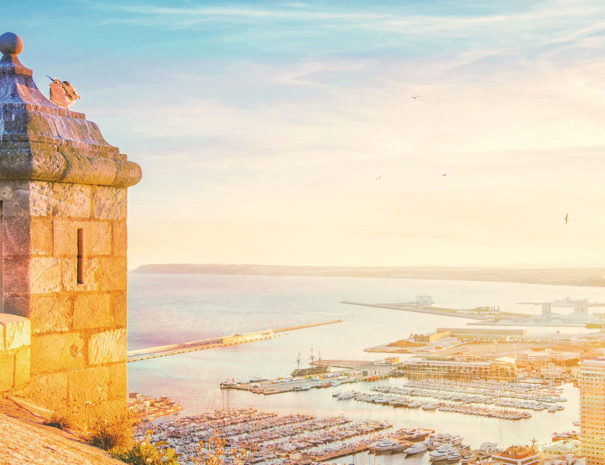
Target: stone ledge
(15, 332)
(107, 347)
(54, 166)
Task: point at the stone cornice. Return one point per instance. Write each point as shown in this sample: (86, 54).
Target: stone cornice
(44, 142)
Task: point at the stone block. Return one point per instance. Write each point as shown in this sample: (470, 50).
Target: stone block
(50, 389)
(50, 313)
(58, 199)
(53, 352)
(107, 347)
(41, 198)
(88, 386)
(111, 409)
(15, 278)
(118, 381)
(119, 306)
(92, 311)
(41, 236)
(91, 274)
(22, 366)
(7, 370)
(45, 275)
(14, 196)
(69, 278)
(17, 304)
(120, 239)
(113, 273)
(64, 238)
(16, 239)
(109, 203)
(96, 238)
(16, 329)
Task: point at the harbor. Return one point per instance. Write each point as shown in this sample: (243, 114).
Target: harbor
(274, 439)
(319, 376)
(256, 437)
(493, 316)
(197, 376)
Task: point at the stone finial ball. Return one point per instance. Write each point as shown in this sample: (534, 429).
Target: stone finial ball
(11, 44)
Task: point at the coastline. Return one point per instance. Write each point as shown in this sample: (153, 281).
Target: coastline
(585, 276)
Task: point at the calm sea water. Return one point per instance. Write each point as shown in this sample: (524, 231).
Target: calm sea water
(178, 308)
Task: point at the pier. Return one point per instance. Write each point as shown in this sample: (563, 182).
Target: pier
(216, 342)
(479, 313)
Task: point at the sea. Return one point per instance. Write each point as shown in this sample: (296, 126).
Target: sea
(176, 308)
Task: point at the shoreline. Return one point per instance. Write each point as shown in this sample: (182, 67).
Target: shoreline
(582, 276)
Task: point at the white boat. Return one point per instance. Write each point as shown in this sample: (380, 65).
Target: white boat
(302, 387)
(488, 447)
(440, 454)
(417, 448)
(430, 406)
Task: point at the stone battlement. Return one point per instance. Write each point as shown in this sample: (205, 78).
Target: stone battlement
(63, 209)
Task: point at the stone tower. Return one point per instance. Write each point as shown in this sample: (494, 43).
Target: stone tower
(63, 196)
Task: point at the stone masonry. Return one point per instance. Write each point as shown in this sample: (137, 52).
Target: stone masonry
(63, 199)
(14, 352)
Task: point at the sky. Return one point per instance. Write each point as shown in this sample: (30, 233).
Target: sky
(286, 132)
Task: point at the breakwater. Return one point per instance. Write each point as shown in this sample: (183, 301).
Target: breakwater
(217, 342)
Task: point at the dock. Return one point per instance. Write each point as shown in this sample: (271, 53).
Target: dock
(479, 313)
(216, 342)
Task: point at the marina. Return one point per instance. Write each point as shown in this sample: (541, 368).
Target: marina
(278, 440)
(195, 377)
(467, 400)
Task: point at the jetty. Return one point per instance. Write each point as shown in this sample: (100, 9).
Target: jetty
(478, 313)
(217, 342)
(492, 316)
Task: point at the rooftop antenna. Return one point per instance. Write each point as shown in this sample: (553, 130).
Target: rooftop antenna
(312, 356)
(298, 361)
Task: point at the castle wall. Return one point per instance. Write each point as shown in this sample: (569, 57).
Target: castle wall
(63, 197)
(78, 330)
(14, 352)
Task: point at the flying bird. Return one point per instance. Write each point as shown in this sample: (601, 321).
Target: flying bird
(566, 216)
(415, 97)
(444, 174)
(379, 177)
(62, 93)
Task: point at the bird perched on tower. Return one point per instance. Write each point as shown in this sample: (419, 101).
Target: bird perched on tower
(62, 93)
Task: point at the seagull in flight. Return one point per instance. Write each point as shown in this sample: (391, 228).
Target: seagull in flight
(379, 177)
(566, 216)
(415, 97)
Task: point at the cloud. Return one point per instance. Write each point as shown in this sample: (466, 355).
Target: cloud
(269, 150)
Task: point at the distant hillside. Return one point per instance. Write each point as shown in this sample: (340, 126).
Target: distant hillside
(557, 276)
